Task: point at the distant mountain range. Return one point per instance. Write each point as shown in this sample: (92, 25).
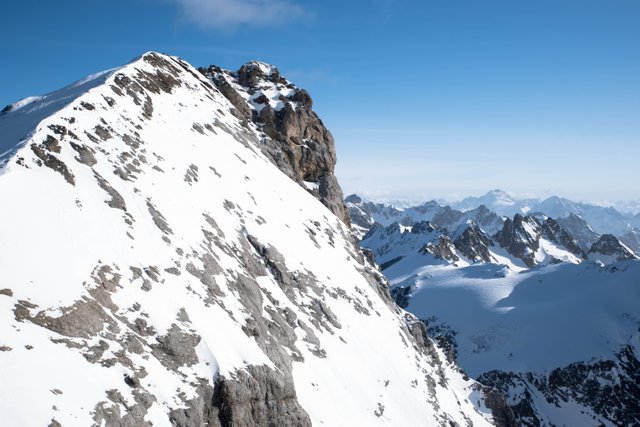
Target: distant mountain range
(584, 221)
(537, 299)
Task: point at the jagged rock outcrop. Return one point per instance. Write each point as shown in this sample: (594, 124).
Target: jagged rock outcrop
(441, 248)
(579, 230)
(521, 238)
(294, 137)
(423, 227)
(609, 249)
(474, 244)
(538, 241)
(609, 389)
(552, 231)
(446, 216)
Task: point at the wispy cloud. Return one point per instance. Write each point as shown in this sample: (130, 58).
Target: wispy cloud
(229, 14)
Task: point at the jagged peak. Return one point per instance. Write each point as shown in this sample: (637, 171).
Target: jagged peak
(353, 198)
(607, 243)
(423, 227)
(264, 67)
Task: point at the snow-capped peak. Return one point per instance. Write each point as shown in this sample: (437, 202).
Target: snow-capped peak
(164, 263)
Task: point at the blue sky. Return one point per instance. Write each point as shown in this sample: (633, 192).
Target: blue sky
(426, 99)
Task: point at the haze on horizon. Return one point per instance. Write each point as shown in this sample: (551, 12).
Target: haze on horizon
(425, 99)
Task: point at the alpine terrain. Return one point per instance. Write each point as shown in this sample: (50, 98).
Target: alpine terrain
(538, 306)
(175, 250)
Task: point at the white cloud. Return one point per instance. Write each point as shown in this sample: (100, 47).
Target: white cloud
(227, 14)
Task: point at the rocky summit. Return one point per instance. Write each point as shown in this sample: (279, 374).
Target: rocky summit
(176, 251)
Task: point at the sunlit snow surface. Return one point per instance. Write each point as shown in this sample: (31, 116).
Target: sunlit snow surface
(54, 235)
(533, 320)
(20, 118)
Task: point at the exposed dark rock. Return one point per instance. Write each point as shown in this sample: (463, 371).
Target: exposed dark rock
(52, 144)
(192, 174)
(521, 238)
(85, 154)
(443, 248)
(552, 230)
(102, 132)
(609, 388)
(610, 246)
(258, 396)
(52, 162)
(389, 263)
(83, 319)
(631, 239)
(254, 396)
(117, 201)
(109, 414)
(474, 244)
(502, 413)
(423, 227)
(402, 295)
(177, 348)
(369, 256)
(158, 218)
(445, 216)
(295, 138)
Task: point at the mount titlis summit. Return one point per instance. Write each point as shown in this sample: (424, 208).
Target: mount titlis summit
(543, 310)
(175, 251)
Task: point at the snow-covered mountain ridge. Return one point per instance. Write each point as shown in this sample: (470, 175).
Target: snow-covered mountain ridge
(542, 310)
(619, 219)
(163, 265)
(569, 229)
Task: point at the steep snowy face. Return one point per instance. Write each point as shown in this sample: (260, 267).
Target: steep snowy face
(158, 267)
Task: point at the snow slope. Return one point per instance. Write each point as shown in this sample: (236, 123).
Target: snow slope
(541, 336)
(511, 322)
(153, 257)
(18, 120)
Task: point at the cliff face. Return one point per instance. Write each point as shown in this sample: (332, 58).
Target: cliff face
(157, 268)
(291, 133)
